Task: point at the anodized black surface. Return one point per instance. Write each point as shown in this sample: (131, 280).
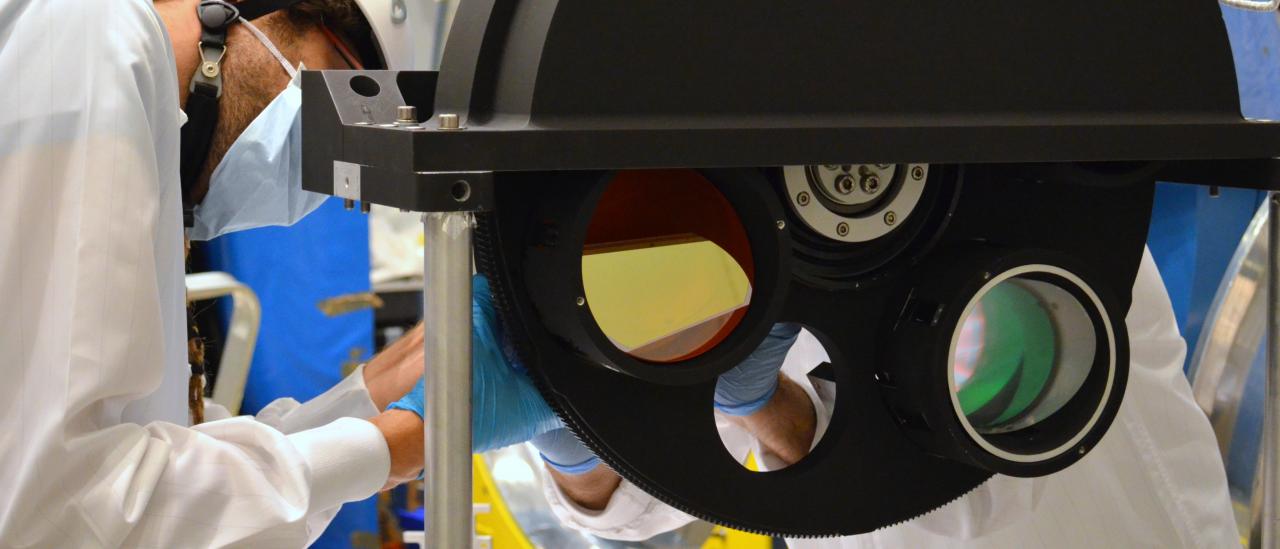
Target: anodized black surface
(585, 84)
(865, 473)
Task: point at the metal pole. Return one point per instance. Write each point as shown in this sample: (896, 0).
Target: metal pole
(447, 311)
(1271, 422)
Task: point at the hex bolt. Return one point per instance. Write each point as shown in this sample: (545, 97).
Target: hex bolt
(890, 218)
(917, 173)
(842, 229)
(844, 184)
(802, 199)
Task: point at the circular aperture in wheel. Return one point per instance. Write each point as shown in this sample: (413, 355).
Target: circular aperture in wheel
(1031, 363)
(666, 266)
(800, 396)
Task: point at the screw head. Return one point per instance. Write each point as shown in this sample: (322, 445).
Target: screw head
(581, 301)
(407, 114)
(842, 229)
(890, 218)
(782, 224)
(917, 173)
(871, 184)
(449, 122)
(844, 184)
(802, 199)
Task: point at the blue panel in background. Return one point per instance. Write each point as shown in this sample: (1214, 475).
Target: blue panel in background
(1192, 238)
(300, 351)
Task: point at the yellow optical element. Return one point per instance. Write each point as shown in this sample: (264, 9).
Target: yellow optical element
(663, 299)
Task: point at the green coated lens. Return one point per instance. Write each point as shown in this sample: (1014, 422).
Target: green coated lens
(1022, 352)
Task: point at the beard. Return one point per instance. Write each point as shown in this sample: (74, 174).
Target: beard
(251, 79)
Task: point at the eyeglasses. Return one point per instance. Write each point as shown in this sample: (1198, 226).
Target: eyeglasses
(339, 46)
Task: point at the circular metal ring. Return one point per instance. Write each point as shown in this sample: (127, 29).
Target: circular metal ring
(833, 219)
(1108, 340)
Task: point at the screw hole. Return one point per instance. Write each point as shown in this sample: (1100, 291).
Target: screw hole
(461, 191)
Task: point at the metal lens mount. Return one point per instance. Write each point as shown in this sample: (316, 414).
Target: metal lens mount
(855, 202)
(734, 209)
(1011, 362)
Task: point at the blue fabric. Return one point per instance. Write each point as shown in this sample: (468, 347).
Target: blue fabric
(300, 351)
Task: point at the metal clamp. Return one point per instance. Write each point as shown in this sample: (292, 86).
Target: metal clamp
(1253, 5)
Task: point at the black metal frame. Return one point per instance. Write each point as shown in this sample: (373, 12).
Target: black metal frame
(1055, 124)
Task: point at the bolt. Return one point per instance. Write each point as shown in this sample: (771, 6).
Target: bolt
(365, 207)
(870, 184)
(406, 114)
(581, 301)
(842, 229)
(782, 224)
(349, 204)
(890, 218)
(449, 122)
(917, 173)
(802, 199)
(844, 184)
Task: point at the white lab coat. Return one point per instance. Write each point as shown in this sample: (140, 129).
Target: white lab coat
(1155, 480)
(94, 445)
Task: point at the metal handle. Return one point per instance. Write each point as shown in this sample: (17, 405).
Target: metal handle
(1253, 5)
(241, 336)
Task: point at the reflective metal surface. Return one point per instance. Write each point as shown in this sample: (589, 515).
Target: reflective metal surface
(1270, 456)
(447, 424)
(1233, 331)
(1228, 349)
(516, 471)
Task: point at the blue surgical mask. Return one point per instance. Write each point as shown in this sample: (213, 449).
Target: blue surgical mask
(259, 181)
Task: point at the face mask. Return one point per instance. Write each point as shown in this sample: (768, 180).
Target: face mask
(259, 181)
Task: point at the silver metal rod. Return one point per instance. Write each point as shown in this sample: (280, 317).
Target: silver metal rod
(447, 314)
(1271, 422)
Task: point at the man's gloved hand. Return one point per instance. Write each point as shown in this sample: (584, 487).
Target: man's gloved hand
(745, 389)
(506, 408)
(562, 451)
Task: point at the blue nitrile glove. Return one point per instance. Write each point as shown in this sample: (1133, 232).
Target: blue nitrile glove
(746, 388)
(562, 451)
(506, 408)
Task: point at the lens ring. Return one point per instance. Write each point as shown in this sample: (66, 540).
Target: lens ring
(1096, 310)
